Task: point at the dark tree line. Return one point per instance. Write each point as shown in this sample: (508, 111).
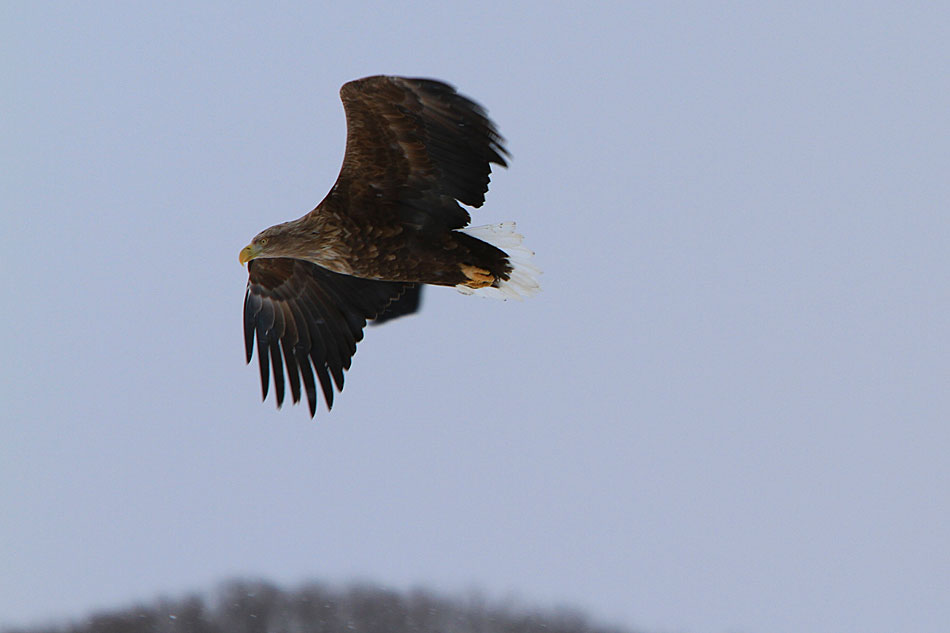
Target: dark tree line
(257, 607)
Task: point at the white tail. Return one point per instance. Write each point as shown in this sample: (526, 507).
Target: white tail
(523, 280)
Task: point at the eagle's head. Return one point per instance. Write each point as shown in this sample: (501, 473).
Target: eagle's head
(272, 242)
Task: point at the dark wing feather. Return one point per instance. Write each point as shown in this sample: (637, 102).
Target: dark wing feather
(415, 148)
(408, 303)
(308, 320)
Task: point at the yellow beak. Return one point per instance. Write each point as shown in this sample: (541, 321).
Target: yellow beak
(249, 252)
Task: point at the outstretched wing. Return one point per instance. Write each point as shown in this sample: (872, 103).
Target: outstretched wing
(415, 148)
(311, 319)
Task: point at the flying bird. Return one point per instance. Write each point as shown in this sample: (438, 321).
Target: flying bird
(416, 151)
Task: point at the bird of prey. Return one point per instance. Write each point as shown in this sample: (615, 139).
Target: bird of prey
(415, 150)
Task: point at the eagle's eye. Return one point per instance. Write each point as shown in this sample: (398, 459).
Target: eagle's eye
(263, 241)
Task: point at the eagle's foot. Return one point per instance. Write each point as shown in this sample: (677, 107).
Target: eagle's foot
(477, 277)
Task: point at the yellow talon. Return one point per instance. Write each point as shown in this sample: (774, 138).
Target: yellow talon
(477, 277)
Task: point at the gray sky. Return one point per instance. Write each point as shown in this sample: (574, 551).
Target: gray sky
(726, 412)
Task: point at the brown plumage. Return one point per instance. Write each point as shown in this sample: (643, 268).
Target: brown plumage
(415, 149)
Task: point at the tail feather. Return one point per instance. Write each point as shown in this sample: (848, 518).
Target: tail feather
(523, 279)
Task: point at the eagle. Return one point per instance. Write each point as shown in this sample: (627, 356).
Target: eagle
(416, 151)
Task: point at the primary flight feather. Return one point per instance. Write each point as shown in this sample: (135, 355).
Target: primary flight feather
(415, 149)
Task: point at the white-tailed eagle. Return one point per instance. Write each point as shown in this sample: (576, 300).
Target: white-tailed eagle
(415, 149)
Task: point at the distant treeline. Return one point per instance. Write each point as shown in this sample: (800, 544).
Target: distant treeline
(258, 607)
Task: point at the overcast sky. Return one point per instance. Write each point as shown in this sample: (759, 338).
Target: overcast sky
(727, 411)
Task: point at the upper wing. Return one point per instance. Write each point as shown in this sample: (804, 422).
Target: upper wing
(415, 148)
(311, 317)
